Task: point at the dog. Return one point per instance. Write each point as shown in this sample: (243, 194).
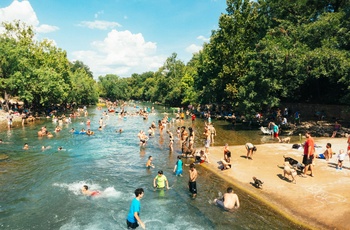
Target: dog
(257, 183)
(290, 171)
(291, 161)
(294, 163)
(285, 140)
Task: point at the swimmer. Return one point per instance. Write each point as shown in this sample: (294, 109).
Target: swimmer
(149, 163)
(72, 130)
(89, 132)
(60, 148)
(85, 190)
(229, 201)
(49, 134)
(43, 148)
(26, 146)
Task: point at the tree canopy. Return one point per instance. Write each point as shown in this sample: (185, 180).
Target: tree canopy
(263, 53)
(39, 73)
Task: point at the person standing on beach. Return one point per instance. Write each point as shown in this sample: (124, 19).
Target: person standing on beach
(133, 219)
(349, 146)
(192, 180)
(229, 201)
(250, 150)
(207, 139)
(341, 158)
(309, 150)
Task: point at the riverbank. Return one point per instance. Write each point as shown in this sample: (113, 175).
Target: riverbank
(319, 202)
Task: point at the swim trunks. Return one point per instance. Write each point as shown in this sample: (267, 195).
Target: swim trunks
(192, 187)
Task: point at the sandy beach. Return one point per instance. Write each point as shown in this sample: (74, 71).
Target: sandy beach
(319, 202)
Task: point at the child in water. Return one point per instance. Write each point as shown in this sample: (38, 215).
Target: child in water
(178, 167)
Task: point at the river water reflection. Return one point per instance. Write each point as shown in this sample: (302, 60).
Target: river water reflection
(41, 189)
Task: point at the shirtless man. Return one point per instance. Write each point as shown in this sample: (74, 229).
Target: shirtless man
(207, 135)
(229, 201)
(212, 133)
(149, 163)
(184, 134)
(192, 180)
(85, 190)
(328, 153)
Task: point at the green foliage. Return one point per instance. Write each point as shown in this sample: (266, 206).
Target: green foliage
(39, 73)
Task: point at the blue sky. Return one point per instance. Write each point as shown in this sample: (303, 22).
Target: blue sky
(120, 36)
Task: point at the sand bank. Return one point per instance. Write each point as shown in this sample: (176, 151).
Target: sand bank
(319, 202)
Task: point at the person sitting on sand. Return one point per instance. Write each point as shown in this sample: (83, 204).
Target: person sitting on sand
(203, 157)
(250, 150)
(229, 201)
(85, 190)
(328, 153)
(226, 162)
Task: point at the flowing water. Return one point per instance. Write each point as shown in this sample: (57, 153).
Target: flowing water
(41, 189)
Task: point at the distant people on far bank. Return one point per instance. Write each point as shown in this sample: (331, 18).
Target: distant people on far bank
(336, 129)
(297, 118)
(276, 131)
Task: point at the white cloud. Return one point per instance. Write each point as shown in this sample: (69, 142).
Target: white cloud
(99, 13)
(193, 48)
(121, 53)
(97, 24)
(24, 12)
(203, 38)
(46, 28)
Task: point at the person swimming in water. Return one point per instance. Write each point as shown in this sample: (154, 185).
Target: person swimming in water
(85, 190)
(149, 163)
